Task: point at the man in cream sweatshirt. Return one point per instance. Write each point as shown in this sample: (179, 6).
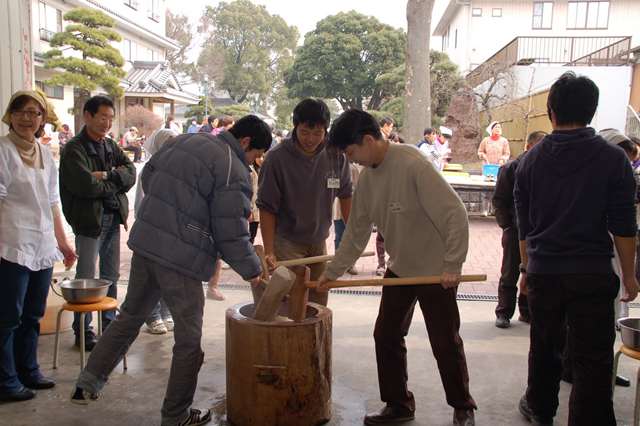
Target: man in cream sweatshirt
(426, 233)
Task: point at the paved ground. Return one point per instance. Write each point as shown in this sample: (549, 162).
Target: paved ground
(497, 361)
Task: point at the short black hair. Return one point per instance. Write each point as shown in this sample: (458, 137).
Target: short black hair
(351, 127)
(254, 128)
(573, 99)
(312, 112)
(95, 102)
(535, 137)
(429, 131)
(211, 119)
(386, 121)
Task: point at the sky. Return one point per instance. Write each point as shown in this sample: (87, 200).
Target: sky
(305, 14)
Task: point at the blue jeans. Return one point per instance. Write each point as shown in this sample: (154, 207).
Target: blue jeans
(160, 312)
(22, 305)
(338, 228)
(107, 246)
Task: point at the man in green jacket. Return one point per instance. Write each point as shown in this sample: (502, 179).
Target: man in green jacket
(95, 175)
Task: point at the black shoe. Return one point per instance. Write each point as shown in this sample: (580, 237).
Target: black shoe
(526, 412)
(196, 418)
(502, 322)
(389, 414)
(23, 394)
(90, 341)
(623, 382)
(82, 397)
(39, 383)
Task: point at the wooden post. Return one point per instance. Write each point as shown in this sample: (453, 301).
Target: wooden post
(278, 373)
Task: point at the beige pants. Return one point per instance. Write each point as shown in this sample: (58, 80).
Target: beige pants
(287, 250)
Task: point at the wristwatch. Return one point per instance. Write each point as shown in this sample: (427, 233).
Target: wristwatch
(523, 269)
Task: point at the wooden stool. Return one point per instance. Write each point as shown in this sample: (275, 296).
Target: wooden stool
(107, 304)
(635, 355)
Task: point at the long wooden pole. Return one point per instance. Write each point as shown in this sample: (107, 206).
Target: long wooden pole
(314, 259)
(424, 280)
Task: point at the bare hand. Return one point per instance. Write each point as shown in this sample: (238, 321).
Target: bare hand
(256, 281)
(271, 260)
(322, 284)
(631, 289)
(449, 280)
(522, 284)
(69, 255)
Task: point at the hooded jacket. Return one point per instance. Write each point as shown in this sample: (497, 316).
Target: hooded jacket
(571, 190)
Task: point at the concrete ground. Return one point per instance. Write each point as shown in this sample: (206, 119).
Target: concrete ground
(497, 362)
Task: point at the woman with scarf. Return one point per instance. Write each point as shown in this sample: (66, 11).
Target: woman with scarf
(32, 239)
(494, 149)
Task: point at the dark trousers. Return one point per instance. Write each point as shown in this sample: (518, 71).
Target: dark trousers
(137, 152)
(509, 274)
(440, 312)
(380, 250)
(253, 231)
(22, 305)
(585, 301)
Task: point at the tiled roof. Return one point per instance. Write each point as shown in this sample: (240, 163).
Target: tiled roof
(153, 77)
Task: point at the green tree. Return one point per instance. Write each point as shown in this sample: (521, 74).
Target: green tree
(245, 48)
(179, 29)
(94, 64)
(343, 57)
(199, 111)
(235, 111)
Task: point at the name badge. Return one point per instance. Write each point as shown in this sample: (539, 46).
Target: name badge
(396, 207)
(333, 183)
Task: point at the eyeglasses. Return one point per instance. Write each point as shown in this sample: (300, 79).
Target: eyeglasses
(30, 114)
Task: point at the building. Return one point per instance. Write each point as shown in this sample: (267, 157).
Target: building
(517, 48)
(144, 45)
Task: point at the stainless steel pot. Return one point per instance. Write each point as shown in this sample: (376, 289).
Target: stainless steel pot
(630, 331)
(84, 290)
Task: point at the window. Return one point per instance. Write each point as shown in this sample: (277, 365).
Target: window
(588, 15)
(126, 49)
(476, 11)
(54, 92)
(542, 15)
(455, 40)
(50, 21)
(154, 12)
(496, 12)
(133, 4)
(445, 38)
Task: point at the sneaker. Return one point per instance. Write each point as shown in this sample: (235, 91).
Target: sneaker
(82, 397)
(168, 322)
(502, 322)
(157, 327)
(196, 418)
(380, 270)
(388, 415)
(215, 294)
(23, 394)
(352, 271)
(90, 341)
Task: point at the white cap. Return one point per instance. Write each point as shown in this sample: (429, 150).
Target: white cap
(446, 131)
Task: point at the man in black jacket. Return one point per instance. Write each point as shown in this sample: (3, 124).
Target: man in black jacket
(506, 218)
(572, 191)
(95, 175)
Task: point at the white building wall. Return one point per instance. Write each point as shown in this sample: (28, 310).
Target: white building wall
(486, 34)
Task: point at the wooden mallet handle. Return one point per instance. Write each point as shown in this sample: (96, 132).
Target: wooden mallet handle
(425, 280)
(314, 259)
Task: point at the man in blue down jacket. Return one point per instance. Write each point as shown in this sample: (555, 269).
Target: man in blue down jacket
(196, 206)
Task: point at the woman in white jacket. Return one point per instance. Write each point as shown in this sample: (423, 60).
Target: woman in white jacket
(31, 241)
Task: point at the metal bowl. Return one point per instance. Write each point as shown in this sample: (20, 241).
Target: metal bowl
(630, 331)
(84, 290)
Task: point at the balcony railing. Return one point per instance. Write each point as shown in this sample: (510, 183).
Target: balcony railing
(602, 51)
(46, 35)
(633, 123)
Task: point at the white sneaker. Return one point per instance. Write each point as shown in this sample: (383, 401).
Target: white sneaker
(168, 323)
(157, 327)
